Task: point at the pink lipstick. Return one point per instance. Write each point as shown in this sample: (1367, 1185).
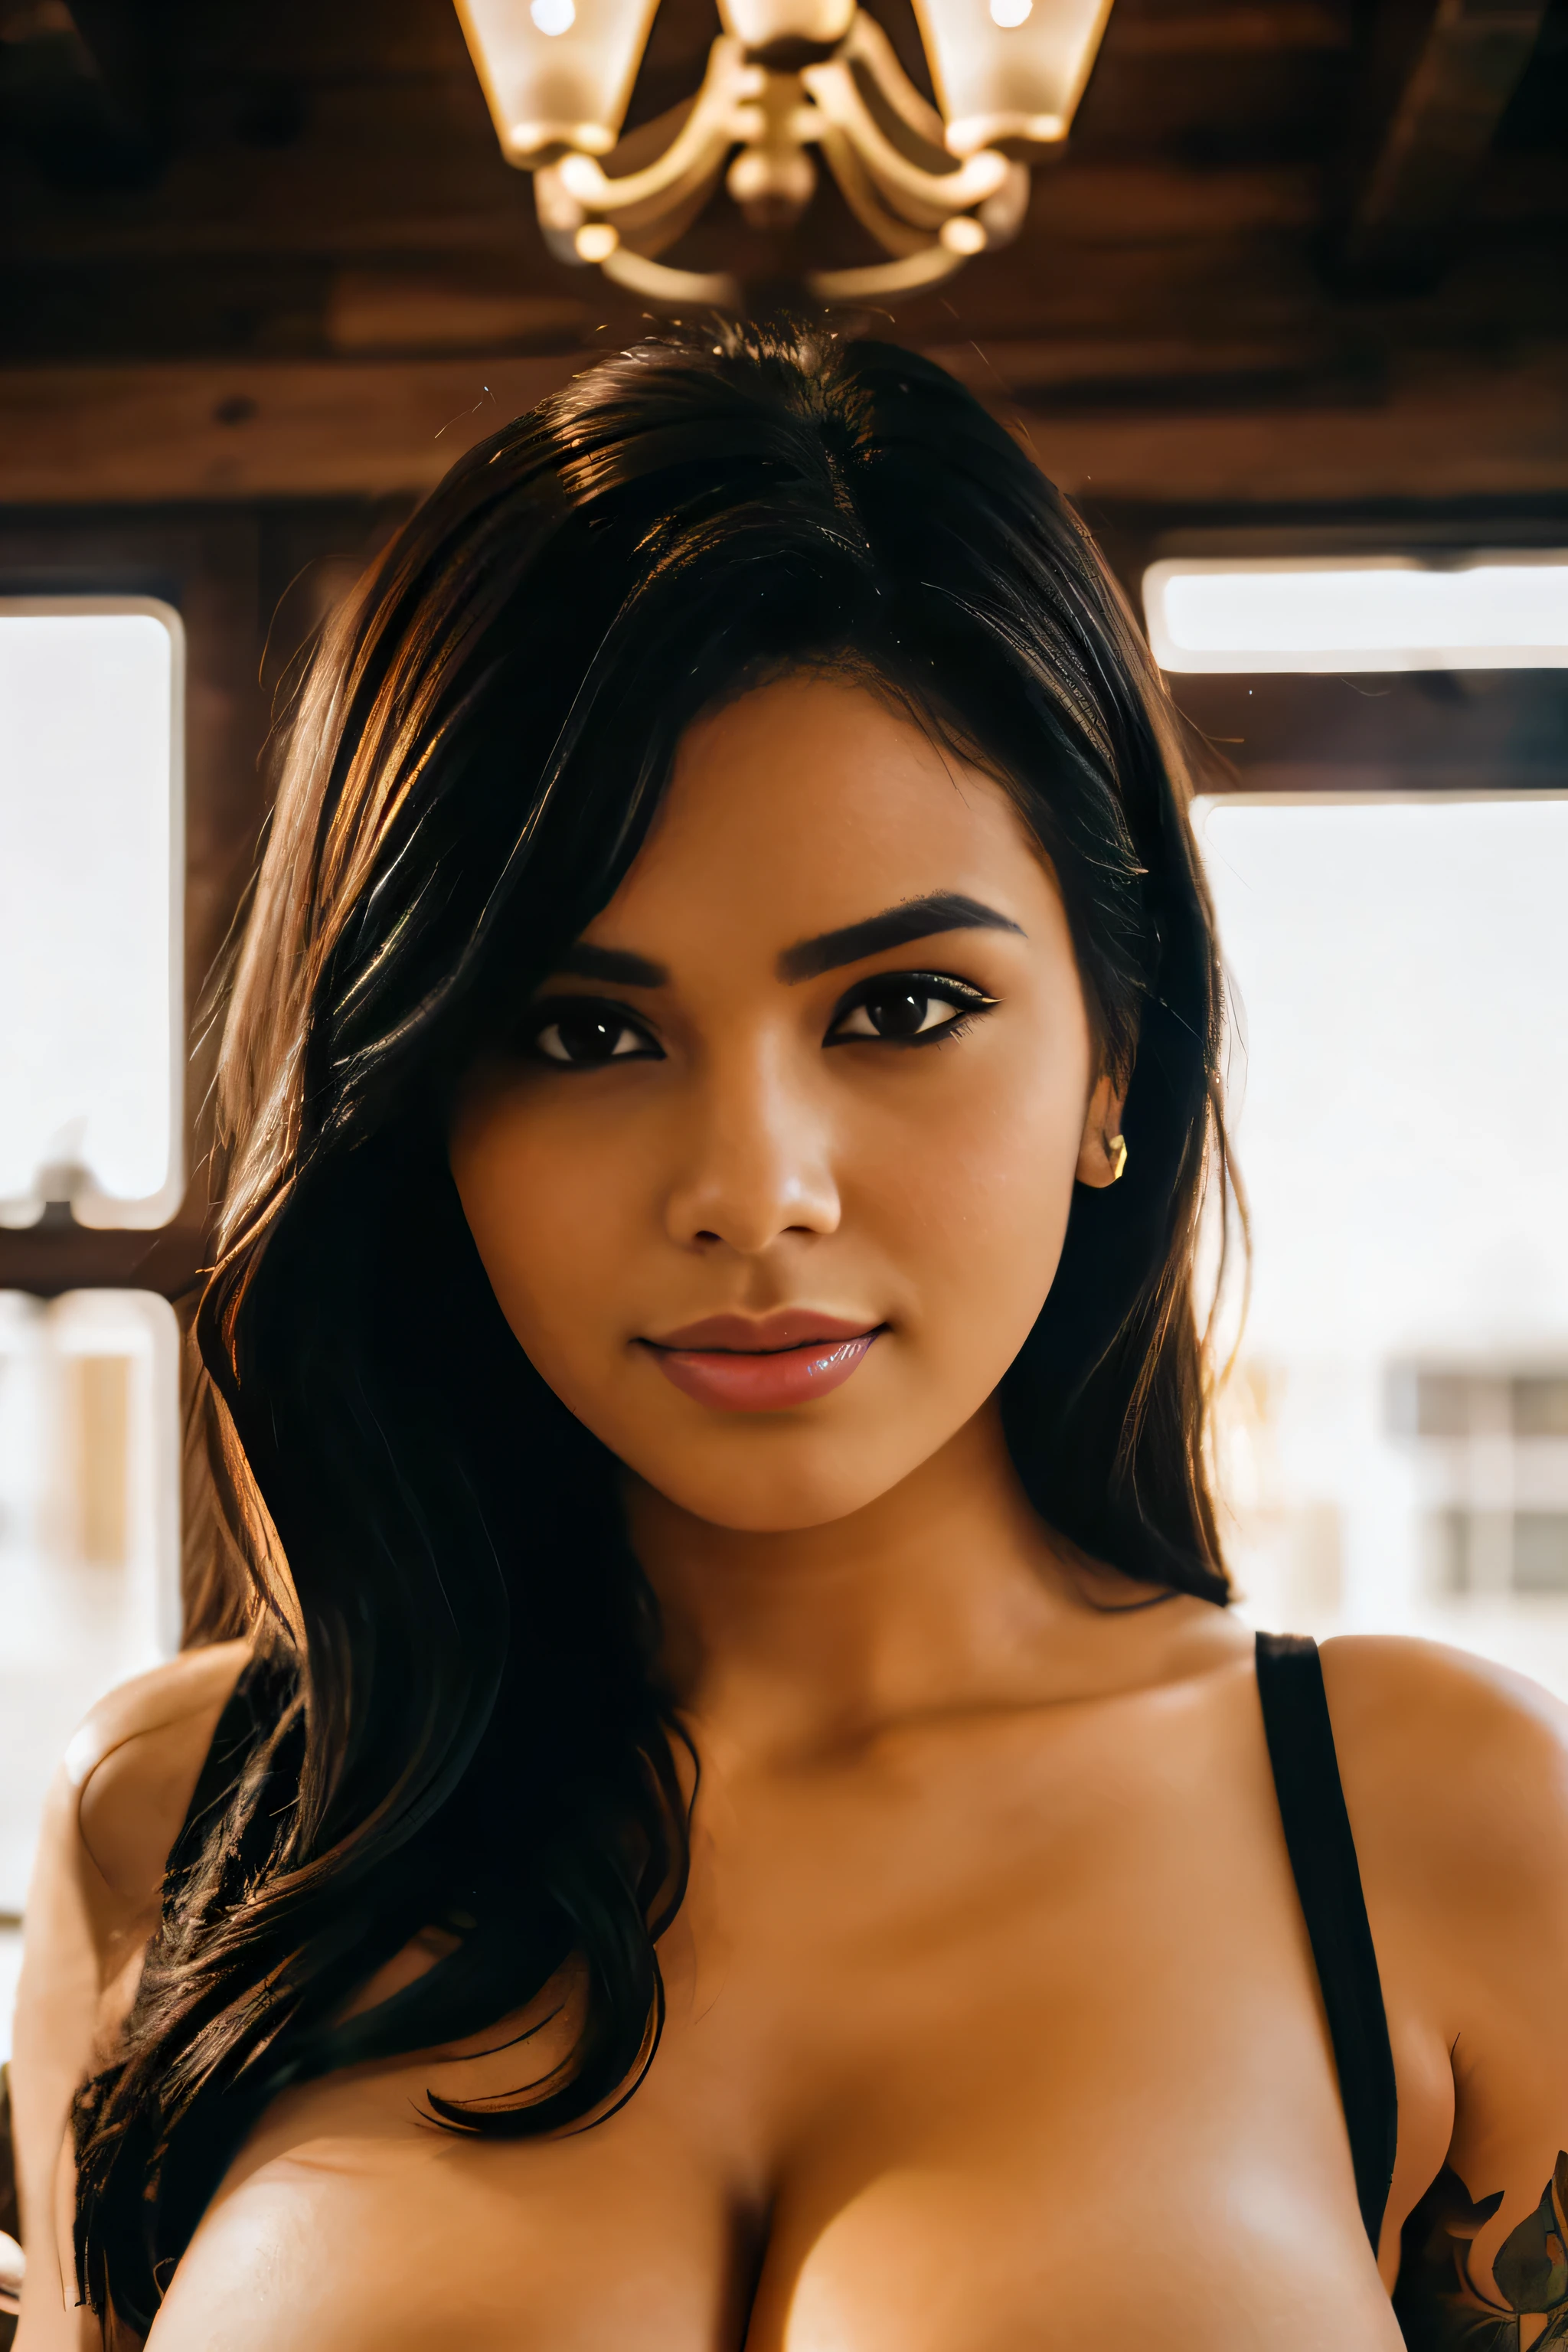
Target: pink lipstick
(745, 1363)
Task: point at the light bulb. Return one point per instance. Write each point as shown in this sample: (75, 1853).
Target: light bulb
(559, 15)
(581, 177)
(1006, 12)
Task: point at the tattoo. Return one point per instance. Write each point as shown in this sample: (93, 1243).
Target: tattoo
(1438, 2302)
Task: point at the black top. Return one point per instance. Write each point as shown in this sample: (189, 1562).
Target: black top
(1327, 1880)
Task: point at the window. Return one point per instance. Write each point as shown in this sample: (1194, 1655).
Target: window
(90, 1447)
(91, 909)
(1506, 611)
(1393, 1442)
(91, 1124)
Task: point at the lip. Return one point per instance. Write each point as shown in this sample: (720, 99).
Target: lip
(746, 1364)
(754, 1335)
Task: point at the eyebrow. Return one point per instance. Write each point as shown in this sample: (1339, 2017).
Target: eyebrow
(895, 927)
(616, 965)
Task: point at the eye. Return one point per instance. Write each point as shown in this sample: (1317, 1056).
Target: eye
(906, 1008)
(585, 1035)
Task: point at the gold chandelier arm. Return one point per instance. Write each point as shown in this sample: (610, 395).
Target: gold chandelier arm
(1003, 215)
(697, 148)
(649, 230)
(662, 284)
(701, 171)
(938, 193)
(560, 217)
(867, 44)
(855, 182)
(906, 277)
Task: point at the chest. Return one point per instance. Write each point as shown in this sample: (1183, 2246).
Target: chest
(972, 2051)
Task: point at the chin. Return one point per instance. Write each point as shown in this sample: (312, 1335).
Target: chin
(776, 1497)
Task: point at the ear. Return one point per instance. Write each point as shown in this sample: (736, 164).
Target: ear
(1098, 1163)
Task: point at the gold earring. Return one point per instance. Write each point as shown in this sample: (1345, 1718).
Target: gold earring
(1116, 1153)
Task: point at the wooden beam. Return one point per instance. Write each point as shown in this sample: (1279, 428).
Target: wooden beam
(49, 1259)
(1228, 31)
(209, 430)
(1439, 74)
(82, 84)
(1445, 426)
(1443, 432)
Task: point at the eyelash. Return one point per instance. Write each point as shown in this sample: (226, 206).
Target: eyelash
(969, 1002)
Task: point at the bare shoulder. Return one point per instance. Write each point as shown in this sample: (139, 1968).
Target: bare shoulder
(134, 1763)
(1456, 1774)
(115, 1809)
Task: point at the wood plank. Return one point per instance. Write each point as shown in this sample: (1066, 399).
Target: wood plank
(1446, 431)
(1447, 427)
(1439, 74)
(399, 167)
(207, 429)
(303, 41)
(1091, 204)
(1068, 375)
(1501, 296)
(48, 1260)
(1228, 31)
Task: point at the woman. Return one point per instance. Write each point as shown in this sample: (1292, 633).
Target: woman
(730, 1811)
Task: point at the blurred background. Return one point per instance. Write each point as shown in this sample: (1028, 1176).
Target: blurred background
(1276, 294)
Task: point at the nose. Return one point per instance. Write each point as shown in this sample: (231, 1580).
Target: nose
(756, 1159)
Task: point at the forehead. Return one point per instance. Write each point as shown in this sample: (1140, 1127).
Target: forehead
(811, 803)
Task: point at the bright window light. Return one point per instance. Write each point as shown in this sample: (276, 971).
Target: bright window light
(1393, 1457)
(1375, 612)
(91, 909)
(1400, 969)
(89, 1484)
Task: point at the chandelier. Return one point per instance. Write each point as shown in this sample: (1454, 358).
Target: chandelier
(787, 80)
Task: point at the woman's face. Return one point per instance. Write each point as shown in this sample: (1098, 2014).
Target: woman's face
(777, 1181)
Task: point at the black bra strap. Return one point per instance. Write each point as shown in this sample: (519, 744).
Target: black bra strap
(1327, 1880)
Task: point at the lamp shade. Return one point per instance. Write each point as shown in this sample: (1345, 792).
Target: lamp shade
(1009, 68)
(556, 73)
(761, 24)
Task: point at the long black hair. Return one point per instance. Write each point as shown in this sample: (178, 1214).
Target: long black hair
(455, 1717)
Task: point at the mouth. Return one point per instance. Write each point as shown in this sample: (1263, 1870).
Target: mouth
(743, 1363)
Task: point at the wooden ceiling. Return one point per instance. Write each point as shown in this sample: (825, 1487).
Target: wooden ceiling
(263, 273)
(1296, 250)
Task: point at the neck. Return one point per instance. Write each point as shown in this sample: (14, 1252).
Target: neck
(943, 1594)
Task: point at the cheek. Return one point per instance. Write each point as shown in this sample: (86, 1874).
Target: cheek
(977, 1206)
(551, 1217)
